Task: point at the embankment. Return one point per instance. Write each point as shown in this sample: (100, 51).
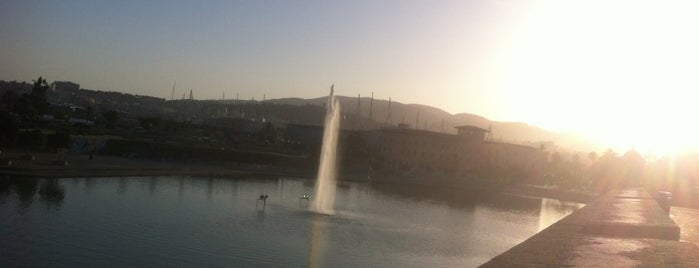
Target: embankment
(622, 228)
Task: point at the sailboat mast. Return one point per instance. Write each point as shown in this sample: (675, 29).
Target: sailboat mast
(172, 96)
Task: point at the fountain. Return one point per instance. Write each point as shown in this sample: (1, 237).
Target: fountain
(324, 198)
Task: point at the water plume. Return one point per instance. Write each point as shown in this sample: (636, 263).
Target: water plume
(324, 198)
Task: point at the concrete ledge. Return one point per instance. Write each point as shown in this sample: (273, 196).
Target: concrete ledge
(612, 229)
(620, 229)
(631, 214)
(620, 252)
(631, 194)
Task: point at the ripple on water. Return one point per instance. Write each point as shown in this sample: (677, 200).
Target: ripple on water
(211, 222)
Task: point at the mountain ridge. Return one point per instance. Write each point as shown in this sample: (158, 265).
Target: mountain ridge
(432, 118)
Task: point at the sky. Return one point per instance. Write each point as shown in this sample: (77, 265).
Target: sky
(622, 72)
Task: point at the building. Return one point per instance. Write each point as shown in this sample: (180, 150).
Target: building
(405, 151)
(65, 86)
(471, 132)
(308, 135)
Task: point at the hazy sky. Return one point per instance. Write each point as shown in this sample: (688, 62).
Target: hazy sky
(621, 71)
(431, 52)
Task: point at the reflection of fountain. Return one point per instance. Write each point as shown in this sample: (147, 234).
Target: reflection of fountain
(316, 249)
(325, 183)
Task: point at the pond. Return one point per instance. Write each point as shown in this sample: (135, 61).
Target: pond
(194, 222)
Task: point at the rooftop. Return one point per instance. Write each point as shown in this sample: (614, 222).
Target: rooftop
(469, 127)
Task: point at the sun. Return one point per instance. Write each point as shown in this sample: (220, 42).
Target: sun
(624, 72)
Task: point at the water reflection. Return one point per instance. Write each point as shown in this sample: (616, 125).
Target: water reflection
(459, 197)
(122, 186)
(89, 182)
(180, 187)
(209, 187)
(152, 185)
(234, 188)
(260, 217)
(26, 189)
(453, 197)
(190, 218)
(553, 210)
(4, 189)
(317, 241)
(50, 192)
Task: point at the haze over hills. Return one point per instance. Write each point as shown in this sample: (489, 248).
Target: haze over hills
(435, 119)
(363, 114)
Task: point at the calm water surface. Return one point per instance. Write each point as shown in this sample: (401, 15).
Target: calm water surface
(184, 221)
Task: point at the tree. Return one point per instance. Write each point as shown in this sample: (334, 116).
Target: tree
(9, 128)
(110, 118)
(31, 105)
(634, 165)
(607, 172)
(30, 139)
(89, 112)
(10, 99)
(37, 97)
(58, 141)
(592, 156)
(25, 109)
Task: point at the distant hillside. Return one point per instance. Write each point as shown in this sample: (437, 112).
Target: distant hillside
(308, 111)
(435, 119)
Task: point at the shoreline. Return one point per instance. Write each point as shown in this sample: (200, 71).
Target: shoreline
(111, 166)
(79, 165)
(552, 193)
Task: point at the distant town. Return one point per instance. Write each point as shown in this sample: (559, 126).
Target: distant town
(380, 140)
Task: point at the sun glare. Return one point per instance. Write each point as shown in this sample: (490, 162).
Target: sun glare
(624, 72)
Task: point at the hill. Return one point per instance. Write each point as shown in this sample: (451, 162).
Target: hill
(435, 119)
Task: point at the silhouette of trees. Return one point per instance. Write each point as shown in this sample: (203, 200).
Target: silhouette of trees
(612, 171)
(592, 156)
(10, 99)
(37, 97)
(28, 106)
(8, 131)
(634, 168)
(599, 173)
(565, 171)
(58, 141)
(111, 118)
(25, 109)
(30, 140)
(90, 112)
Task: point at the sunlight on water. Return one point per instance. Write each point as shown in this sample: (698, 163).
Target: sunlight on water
(552, 210)
(194, 222)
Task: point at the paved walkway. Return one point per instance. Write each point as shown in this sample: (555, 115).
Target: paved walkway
(688, 220)
(625, 228)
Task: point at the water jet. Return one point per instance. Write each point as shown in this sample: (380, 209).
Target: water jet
(324, 197)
